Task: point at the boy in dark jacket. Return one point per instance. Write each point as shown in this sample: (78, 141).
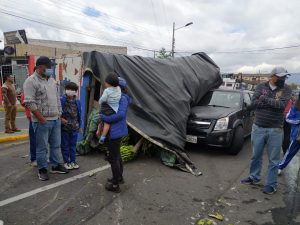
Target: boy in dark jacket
(71, 122)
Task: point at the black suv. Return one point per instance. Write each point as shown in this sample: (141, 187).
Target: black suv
(221, 119)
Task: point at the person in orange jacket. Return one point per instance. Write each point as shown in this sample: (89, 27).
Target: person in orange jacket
(32, 139)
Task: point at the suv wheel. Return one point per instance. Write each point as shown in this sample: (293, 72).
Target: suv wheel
(237, 141)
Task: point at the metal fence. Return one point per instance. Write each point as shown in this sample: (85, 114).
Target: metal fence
(20, 71)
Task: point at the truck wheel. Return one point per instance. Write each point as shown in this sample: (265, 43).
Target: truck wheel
(237, 141)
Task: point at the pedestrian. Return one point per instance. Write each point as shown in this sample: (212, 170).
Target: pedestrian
(10, 100)
(71, 123)
(118, 129)
(41, 96)
(109, 102)
(287, 126)
(293, 118)
(269, 100)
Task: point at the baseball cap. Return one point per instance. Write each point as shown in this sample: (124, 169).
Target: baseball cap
(44, 60)
(279, 72)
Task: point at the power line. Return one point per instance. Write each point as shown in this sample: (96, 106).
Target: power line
(56, 26)
(246, 51)
(249, 51)
(104, 19)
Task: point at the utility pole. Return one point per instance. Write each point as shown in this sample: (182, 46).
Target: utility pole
(173, 41)
(173, 36)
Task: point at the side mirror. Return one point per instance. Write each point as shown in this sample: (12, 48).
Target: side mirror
(246, 105)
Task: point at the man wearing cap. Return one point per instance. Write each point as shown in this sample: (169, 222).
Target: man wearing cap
(269, 101)
(41, 96)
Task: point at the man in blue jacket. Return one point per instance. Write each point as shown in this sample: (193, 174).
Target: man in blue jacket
(118, 130)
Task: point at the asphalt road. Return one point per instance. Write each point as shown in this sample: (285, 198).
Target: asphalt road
(152, 193)
(21, 121)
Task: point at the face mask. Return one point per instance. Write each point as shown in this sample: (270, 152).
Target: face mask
(280, 83)
(70, 93)
(48, 72)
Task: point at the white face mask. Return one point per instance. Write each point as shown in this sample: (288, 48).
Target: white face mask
(70, 93)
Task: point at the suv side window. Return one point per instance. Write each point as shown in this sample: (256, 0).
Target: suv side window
(247, 98)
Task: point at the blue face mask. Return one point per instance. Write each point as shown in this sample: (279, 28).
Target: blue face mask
(48, 72)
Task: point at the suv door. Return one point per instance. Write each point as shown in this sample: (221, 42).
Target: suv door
(247, 114)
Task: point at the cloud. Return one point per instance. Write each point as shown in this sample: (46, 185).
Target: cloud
(218, 26)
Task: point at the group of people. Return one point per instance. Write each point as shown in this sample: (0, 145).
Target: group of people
(275, 114)
(55, 121)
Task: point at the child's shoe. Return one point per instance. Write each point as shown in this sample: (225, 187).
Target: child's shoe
(74, 165)
(68, 166)
(102, 140)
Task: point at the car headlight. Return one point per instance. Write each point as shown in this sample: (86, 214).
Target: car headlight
(222, 124)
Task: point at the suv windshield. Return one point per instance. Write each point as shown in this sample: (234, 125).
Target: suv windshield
(222, 98)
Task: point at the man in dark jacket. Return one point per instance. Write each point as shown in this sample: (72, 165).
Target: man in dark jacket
(269, 100)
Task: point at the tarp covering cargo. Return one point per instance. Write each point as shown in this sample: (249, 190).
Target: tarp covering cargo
(162, 90)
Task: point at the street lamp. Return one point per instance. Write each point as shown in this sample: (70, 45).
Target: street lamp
(173, 36)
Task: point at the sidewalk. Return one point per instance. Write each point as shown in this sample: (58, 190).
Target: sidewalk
(17, 136)
(19, 108)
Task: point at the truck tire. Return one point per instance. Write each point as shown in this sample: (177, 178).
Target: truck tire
(237, 141)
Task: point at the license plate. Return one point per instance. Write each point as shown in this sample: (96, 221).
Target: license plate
(191, 139)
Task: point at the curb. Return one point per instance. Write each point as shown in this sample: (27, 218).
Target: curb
(19, 108)
(14, 138)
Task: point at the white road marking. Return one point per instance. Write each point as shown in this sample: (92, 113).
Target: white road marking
(19, 117)
(51, 186)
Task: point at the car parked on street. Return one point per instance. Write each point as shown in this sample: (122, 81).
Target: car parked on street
(223, 118)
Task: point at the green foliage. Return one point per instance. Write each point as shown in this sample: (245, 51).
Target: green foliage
(162, 54)
(294, 86)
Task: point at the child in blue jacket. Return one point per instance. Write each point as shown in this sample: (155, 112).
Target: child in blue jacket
(109, 102)
(293, 118)
(71, 123)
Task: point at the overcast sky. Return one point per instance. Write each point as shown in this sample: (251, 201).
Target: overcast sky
(227, 30)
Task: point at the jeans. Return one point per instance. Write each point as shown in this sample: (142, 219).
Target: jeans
(271, 139)
(115, 160)
(32, 142)
(48, 133)
(68, 145)
(286, 136)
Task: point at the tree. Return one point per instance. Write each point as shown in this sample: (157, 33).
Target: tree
(162, 54)
(294, 86)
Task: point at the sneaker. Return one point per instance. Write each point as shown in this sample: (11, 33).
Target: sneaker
(280, 172)
(16, 130)
(113, 187)
(59, 169)
(120, 180)
(43, 174)
(33, 163)
(249, 180)
(74, 165)
(102, 140)
(68, 166)
(9, 132)
(268, 190)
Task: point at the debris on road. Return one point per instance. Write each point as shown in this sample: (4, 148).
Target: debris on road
(91, 173)
(217, 216)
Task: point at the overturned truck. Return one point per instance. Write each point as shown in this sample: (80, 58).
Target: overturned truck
(162, 92)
